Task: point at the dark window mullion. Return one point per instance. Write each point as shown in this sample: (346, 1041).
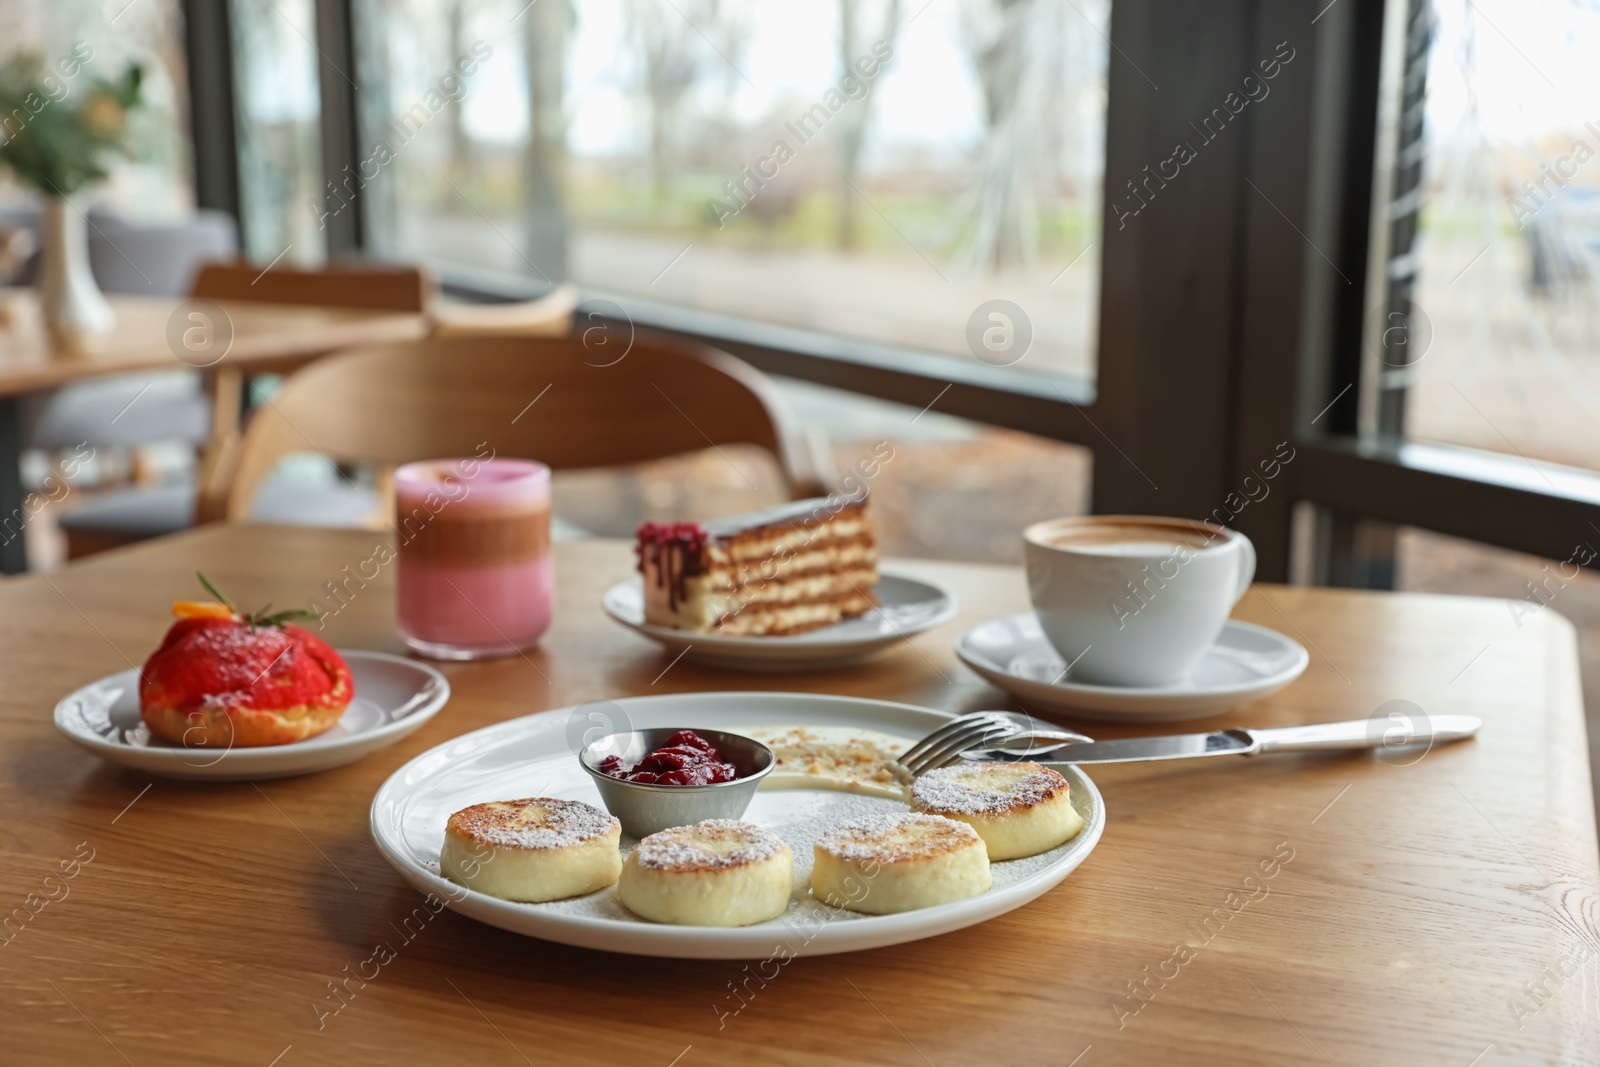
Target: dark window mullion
(208, 38)
(341, 148)
(1170, 293)
(1341, 119)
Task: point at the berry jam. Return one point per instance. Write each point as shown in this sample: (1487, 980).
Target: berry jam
(686, 759)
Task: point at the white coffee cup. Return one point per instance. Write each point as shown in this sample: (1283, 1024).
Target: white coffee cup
(1131, 600)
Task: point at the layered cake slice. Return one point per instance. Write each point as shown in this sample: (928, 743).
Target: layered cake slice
(783, 570)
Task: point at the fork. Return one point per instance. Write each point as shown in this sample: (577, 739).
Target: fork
(978, 730)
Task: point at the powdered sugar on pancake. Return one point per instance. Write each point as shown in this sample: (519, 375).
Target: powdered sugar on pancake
(986, 788)
(896, 837)
(531, 823)
(715, 844)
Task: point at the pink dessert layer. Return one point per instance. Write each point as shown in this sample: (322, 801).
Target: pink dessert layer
(483, 606)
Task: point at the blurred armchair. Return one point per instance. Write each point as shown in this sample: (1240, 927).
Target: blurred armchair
(157, 259)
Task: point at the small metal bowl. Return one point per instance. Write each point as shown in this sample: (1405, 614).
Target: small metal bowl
(643, 808)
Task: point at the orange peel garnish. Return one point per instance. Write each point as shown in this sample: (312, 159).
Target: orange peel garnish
(201, 609)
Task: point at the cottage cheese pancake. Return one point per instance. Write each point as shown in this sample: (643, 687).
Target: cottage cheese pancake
(532, 850)
(721, 872)
(898, 861)
(1019, 809)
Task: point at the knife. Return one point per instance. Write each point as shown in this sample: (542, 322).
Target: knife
(1355, 734)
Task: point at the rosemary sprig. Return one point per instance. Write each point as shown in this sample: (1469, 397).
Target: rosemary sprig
(293, 614)
(214, 591)
(256, 619)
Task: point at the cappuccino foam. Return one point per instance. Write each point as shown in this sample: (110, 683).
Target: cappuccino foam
(1136, 540)
(1136, 549)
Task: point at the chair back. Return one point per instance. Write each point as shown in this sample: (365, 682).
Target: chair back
(374, 287)
(534, 398)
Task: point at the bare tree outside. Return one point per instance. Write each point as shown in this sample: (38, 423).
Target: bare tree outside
(461, 155)
(862, 23)
(546, 27)
(601, 130)
(1018, 48)
(678, 46)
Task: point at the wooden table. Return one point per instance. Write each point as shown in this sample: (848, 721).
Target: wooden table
(265, 338)
(1442, 912)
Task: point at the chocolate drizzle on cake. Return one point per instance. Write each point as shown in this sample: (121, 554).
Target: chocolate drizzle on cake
(675, 555)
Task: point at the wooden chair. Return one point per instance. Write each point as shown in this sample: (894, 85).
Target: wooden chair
(377, 287)
(137, 513)
(374, 287)
(354, 284)
(533, 398)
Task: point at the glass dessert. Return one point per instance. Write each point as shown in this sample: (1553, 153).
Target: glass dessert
(475, 575)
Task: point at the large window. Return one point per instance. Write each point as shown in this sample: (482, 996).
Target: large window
(873, 169)
(1503, 350)
(278, 104)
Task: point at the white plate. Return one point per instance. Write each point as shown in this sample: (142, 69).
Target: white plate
(1248, 662)
(533, 756)
(393, 697)
(908, 606)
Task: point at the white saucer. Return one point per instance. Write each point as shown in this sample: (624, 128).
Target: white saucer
(534, 756)
(1248, 662)
(909, 606)
(393, 698)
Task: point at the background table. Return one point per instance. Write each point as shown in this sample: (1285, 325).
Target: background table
(266, 338)
(1441, 912)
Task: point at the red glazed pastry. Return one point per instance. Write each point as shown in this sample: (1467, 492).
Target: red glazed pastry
(222, 679)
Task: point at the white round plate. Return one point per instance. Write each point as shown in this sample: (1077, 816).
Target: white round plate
(534, 756)
(908, 606)
(1248, 662)
(394, 696)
